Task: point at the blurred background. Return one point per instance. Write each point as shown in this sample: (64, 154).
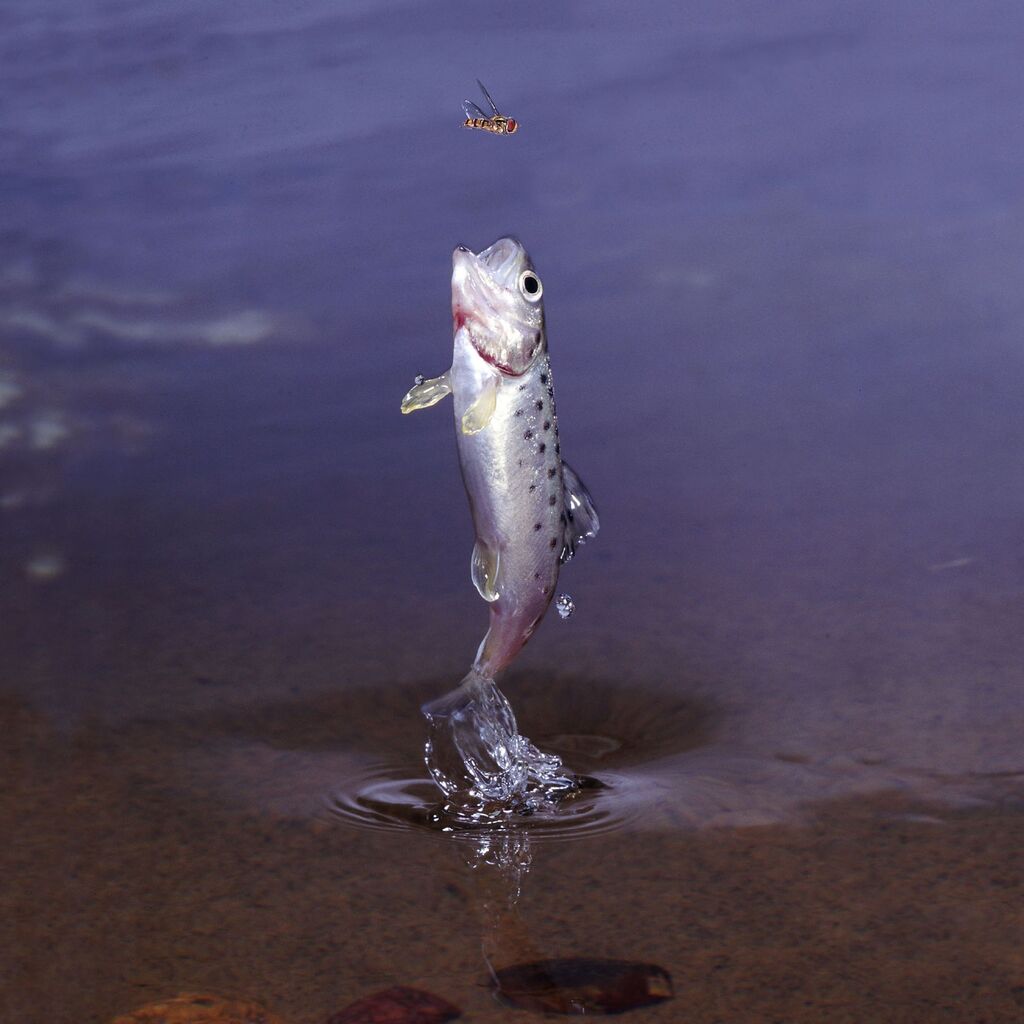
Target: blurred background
(782, 247)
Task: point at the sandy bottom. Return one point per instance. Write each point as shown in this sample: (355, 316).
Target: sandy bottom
(127, 881)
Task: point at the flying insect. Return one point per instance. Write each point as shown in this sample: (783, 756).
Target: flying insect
(496, 122)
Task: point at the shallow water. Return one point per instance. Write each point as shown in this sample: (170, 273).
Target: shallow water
(781, 248)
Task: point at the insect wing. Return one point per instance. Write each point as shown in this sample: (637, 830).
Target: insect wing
(487, 95)
(473, 111)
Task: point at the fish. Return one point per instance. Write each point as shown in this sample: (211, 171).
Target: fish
(530, 509)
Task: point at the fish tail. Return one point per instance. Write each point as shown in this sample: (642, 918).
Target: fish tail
(492, 654)
(454, 700)
(504, 639)
(484, 656)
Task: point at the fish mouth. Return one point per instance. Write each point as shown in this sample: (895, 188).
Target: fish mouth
(485, 301)
(502, 262)
(468, 289)
(478, 279)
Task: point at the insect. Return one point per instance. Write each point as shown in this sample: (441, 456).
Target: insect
(495, 122)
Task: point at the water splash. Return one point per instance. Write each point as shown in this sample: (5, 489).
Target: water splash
(485, 768)
(565, 605)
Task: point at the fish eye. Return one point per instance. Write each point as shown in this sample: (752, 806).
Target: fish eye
(530, 286)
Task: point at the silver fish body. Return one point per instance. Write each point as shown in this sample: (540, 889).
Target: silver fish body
(513, 476)
(529, 508)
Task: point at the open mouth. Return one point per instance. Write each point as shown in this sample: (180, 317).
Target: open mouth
(502, 260)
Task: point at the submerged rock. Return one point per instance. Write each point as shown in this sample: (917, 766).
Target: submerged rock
(582, 985)
(196, 1008)
(398, 1005)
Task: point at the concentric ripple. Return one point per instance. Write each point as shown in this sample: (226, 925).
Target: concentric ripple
(607, 736)
(653, 757)
(392, 797)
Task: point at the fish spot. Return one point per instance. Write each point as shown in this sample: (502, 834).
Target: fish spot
(546, 590)
(533, 487)
(527, 434)
(543, 378)
(552, 500)
(519, 412)
(551, 473)
(562, 517)
(540, 404)
(558, 449)
(536, 526)
(542, 448)
(522, 387)
(536, 575)
(547, 424)
(552, 543)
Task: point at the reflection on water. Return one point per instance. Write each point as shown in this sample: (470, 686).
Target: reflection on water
(72, 390)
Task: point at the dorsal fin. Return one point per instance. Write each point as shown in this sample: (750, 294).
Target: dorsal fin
(581, 522)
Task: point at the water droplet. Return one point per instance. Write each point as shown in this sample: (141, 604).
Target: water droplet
(418, 379)
(565, 605)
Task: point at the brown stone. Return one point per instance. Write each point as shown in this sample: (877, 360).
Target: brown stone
(398, 1005)
(583, 985)
(197, 1008)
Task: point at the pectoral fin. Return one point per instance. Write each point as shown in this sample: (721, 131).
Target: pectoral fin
(484, 570)
(479, 414)
(426, 393)
(581, 522)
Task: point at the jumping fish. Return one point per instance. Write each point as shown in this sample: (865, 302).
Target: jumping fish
(530, 510)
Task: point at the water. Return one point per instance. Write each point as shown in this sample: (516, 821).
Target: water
(486, 769)
(781, 250)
